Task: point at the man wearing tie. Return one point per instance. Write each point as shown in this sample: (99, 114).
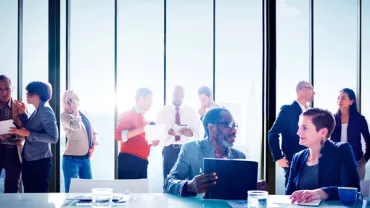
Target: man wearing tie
(286, 124)
(182, 124)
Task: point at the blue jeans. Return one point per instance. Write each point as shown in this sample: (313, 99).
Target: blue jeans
(75, 168)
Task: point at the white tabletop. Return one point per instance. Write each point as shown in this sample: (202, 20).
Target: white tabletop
(56, 200)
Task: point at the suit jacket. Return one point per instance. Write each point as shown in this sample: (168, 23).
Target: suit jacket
(189, 164)
(19, 139)
(77, 135)
(337, 167)
(285, 124)
(357, 125)
(43, 131)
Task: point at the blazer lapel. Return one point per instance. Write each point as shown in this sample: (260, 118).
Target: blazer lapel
(208, 150)
(301, 166)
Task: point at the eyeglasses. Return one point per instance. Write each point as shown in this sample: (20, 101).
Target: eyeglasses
(229, 124)
(310, 88)
(6, 89)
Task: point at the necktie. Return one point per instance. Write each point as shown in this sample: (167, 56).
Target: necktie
(177, 121)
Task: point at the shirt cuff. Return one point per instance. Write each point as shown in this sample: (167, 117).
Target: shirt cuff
(124, 135)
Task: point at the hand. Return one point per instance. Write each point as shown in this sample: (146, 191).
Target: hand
(21, 107)
(201, 183)
(73, 106)
(305, 196)
(186, 132)
(91, 152)
(21, 132)
(283, 163)
(171, 132)
(147, 123)
(262, 186)
(4, 136)
(155, 143)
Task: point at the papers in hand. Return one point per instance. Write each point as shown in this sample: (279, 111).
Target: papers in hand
(178, 127)
(5, 126)
(284, 199)
(154, 132)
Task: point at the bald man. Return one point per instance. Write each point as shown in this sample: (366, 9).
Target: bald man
(182, 124)
(286, 124)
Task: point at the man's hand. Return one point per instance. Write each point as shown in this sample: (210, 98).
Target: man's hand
(4, 136)
(21, 132)
(201, 183)
(283, 163)
(155, 143)
(305, 196)
(171, 132)
(186, 132)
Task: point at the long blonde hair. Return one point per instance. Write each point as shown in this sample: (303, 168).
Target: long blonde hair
(69, 94)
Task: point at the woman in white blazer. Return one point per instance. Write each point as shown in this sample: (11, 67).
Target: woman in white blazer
(81, 140)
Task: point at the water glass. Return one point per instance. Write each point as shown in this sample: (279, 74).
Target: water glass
(102, 197)
(257, 199)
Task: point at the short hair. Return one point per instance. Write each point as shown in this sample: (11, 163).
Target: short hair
(205, 90)
(301, 85)
(142, 92)
(212, 116)
(5, 78)
(321, 119)
(69, 94)
(42, 89)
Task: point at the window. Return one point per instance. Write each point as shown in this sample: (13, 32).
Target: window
(239, 69)
(140, 64)
(365, 99)
(92, 75)
(292, 58)
(35, 43)
(335, 50)
(189, 47)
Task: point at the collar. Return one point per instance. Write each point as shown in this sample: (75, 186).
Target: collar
(209, 151)
(179, 107)
(42, 104)
(303, 108)
(9, 103)
(138, 110)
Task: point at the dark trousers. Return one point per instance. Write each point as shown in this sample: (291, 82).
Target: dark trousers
(9, 160)
(170, 154)
(36, 175)
(132, 167)
(287, 172)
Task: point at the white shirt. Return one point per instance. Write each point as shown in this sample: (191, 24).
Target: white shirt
(188, 116)
(302, 107)
(343, 134)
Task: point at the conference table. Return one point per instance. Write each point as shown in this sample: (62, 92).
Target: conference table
(147, 200)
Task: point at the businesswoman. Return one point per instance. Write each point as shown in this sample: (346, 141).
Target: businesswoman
(317, 171)
(40, 130)
(81, 140)
(350, 124)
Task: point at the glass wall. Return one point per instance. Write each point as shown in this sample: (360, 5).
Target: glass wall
(292, 58)
(140, 64)
(35, 43)
(92, 75)
(189, 47)
(239, 69)
(365, 99)
(8, 49)
(335, 50)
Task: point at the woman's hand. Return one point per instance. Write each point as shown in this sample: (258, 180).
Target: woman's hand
(305, 196)
(21, 132)
(21, 107)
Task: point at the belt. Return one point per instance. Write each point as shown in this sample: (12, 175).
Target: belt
(175, 146)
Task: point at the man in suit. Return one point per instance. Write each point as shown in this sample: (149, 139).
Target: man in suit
(286, 124)
(186, 177)
(10, 145)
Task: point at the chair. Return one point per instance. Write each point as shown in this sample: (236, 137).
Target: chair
(118, 186)
(365, 188)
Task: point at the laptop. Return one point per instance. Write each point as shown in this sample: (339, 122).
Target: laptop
(235, 178)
